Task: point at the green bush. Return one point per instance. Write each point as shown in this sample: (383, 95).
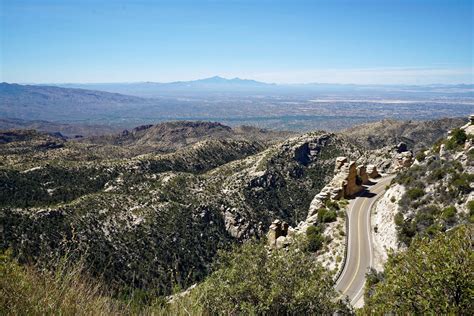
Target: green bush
(25, 290)
(250, 280)
(415, 193)
(420, 156)
(332, 205)
(458, 138)
(449, 212)
(314, 238)
(326, 216)
(437, 174)
(470, 207)
(461, 182)
(434, 277)
(399, 219)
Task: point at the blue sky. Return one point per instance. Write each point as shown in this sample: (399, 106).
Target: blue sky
(412, 41)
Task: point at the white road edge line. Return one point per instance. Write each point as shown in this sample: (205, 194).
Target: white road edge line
(344, 270)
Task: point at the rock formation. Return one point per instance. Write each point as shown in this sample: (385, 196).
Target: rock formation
(469, 127)
(362, 173)
(403, 160)
(372, 171)
(277, 233)
(347, 181)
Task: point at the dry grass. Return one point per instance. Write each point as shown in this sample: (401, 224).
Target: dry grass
(27, 291)
(24, 290)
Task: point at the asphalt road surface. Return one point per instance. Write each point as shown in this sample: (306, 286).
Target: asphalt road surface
(359, 253)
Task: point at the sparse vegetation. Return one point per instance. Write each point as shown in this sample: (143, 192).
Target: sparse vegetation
(458, 138)
(432, 276)
(251, 280)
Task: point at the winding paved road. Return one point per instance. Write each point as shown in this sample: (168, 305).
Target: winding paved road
(359, 253)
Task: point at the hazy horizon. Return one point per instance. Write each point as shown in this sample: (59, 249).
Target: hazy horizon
(236, 78)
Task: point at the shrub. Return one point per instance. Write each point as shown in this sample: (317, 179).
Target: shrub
(326, 216)
(470, 207)
(332, 205)
(250, 280)
(449, 212)
(431, 277)
(420, 156)
(462, 182)
(415, 193)
(458, 137)
(437, 174)
(399, 219)
(314, 238)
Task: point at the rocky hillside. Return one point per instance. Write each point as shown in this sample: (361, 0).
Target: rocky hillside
(68, 130)
(432, 195)
(416, 134)
(56, 104)
(170, 136)
(155, 220)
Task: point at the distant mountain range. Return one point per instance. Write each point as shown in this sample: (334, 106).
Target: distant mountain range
(155, 89)
(219, 84)
(32, 102)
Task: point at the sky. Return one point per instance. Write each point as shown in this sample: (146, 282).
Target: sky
(333, 41)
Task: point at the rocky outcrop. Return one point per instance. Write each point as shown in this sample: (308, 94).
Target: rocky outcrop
(372, 172)
(388, 133)
(276, 236)
(469, 127)
(347, 181)
(403, 160)
(363, 175)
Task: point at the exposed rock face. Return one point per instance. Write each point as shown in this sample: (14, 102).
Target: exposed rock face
(339, 162)
(277, 233)
(403, 160)
(388, 133)
(234, 224)
(347, 179)
(383, 225)
(362, 173)
(372, 171)
(307, 152)
(469, 127)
